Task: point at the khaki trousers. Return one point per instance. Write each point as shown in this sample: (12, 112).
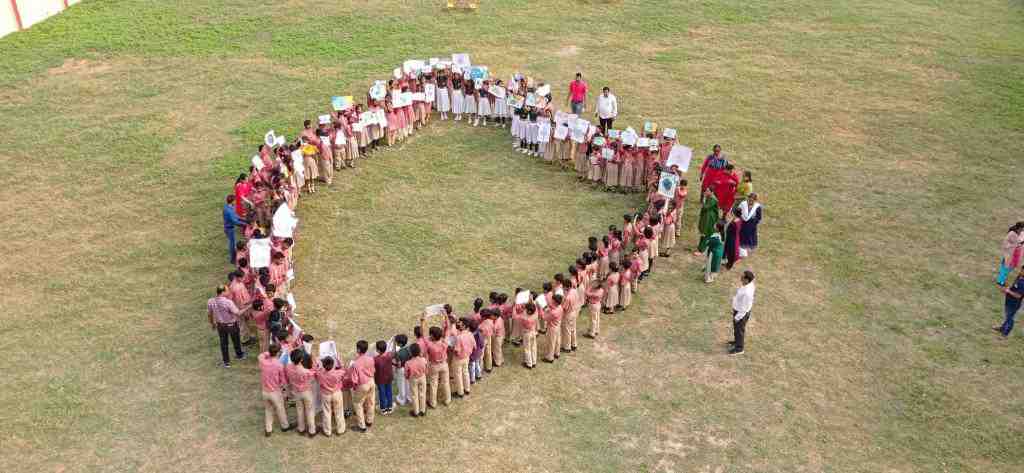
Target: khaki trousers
(273, 403)
(327, 169)
(530, 347)
(488, 356)
(418, 388)
(346, 394)
(461, 367)
(364, 399)
(554, 340)
(626, 294)
(305, 411)
(497, 350)
(439, 375)
(595, 319)
(334, 412)
(569, 330)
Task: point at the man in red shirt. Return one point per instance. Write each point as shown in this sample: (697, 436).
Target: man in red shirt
(363, 394)
(578, 94)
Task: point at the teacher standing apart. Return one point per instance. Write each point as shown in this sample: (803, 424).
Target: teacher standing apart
(742, 302)
(607, 109)
(578, 94)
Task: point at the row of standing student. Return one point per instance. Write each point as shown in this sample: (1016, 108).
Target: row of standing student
(442, 362)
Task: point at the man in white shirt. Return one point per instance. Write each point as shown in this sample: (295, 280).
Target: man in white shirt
(741, 305)
(607, 109)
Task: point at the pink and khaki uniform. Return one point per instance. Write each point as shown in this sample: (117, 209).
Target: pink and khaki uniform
(416, 373)
(332, 400)
(611, 291)
(594, 298)
(301, 381)
(572, 306)
(437, 355)
(272, 381)
(486, 329)
(364, 394)
(626, 288)
(553, 316)
(497, 339)
(464, 345)
(528, 327)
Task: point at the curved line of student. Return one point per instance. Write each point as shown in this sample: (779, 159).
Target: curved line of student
(459, 351)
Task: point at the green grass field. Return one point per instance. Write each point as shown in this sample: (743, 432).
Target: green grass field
(883, 137)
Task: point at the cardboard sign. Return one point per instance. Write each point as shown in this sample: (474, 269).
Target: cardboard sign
(680, 156)
(461, 60)
(324, 119)
(608, 154)
(418, 97)
(497, 91)
(561, 132)
(429, 92)
(379, 90)
(259, 253)
(284, 222)
(614, 134)
(629, 137)
(598, 141)
(543, 131)
(541, 301)
(667, 184)
(544, 90)
(643, 142)
(328, 349)
(269, 139)
(435, 309)
(523, 297)
(669, 133)
(531, 100)
(341, 102)
(650, 127)
(478, 72)
(579, 130)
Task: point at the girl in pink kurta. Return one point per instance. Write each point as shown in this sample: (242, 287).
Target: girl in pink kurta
(625, 285)
(603, 257)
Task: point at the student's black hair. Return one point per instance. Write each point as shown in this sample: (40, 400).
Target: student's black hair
(414, 350)
(530, 308)
(729, 167)
(243, 262)
(448, 309)
(240, 245)
(270, 287)
(328, 363)
(401, 339)
(560, 278)
(477, 304)
(607, 241)
(296, 356)
(436, 333)
(493, 297)
(274, 349)
(720, 226)
(307, 337)
(655, 219)
(683, 182)
(306, 123)
(648, 232)
(279, 303)
(281, 334)
(307, 360)
(558, 299)
(257, 304)
(231, 276)
(362, 346)
(618, 234)
(220, 290)
(748, 275)
(592, 243)
(659, 204)
(573, 271)
(502, 298)
(580, 262)
(546, 286)
(289, 241)
(382, 346)
(627, 218)
(613, 267)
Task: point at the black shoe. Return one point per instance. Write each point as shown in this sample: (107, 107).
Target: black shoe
(240, 357)
(573, 348)
(525, 365)
(227, 365)
(731, 342)
(312, 435)
(456, 396)
(423, 414)
(368, 425)
(736, 351)
(413, 414)
(488, 371)
(290, 427)
(249, 341)
(359, 429)
(565, 351)
(545, 360)
(266, 434)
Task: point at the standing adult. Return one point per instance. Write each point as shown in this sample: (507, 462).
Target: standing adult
(741, 305)
(607, 109)
(713, 164)
(223, 317)
(1011, 252)
(1014, 294)
(231, 220)
(708, 216)
(578, 94)
(750, 213)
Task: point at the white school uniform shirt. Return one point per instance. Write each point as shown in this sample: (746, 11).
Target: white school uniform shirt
(607, 107)
(743, 301)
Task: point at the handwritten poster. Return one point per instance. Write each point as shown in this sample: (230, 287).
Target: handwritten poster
(341, 102)
(461, 60)
(680, 156)
(430, 92)
(259, 253)
(667, 184)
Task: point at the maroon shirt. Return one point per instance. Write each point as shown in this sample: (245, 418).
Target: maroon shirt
(384, 372)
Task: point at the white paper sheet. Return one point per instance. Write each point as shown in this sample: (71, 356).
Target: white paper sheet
(257, 162)
(430, 92)
(461, 60)
(284, 222)
(259, 253)
(270, 138)
(680, 156)
(434, 309)
(523, 297)
(328, 349)
(667, 184)
(669, 133)
(541, 301)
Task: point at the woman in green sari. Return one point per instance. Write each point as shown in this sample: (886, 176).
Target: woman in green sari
(713, 247)
(708, 217)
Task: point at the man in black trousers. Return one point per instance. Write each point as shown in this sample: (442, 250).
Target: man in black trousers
(741, 305)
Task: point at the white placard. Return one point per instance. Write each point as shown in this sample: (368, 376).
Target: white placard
(544, 90)
(291, 302)
(328, 349)
(430, 91)
(379, 90)
(523, 297)
(418, 97)
(629, 137)
(284, 222)
(461, 60)
(269, 138)
(381, 117)
(280, 141)
(259, 253)
(559, 292)
(290, 274)
(680, 156)
(541, 301)
(497, 91)
(669, 133)
(608, 154)
(257, 162)
(579, 130)
(561, 132)
(543, 130)
(435, 309)
(339, 138)
(643, 142)
(667, 184)
(397, 73)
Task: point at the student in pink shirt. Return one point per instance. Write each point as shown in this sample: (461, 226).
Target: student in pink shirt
(542, 324)
(528, 324)
(506, 317)
(240, 295)
(273, 381)
(475, 316)
(416, 373)
(636, 266)
(571, 308)
(259, 312)
(497, 338)
(486, 329)
(464, 345)
(594, 298)
(625, 285)
(332, 380)
(363, 393)
(611, 289)
(437, 357)
(553, 315)
(301, 380)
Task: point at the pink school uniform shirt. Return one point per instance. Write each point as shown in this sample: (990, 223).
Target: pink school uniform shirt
(272, 377)
(553, 316)
(363, 370)
(464, 345)
(299, 377)
(415, 368)
(331, 381)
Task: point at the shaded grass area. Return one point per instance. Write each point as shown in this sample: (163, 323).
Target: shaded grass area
(883, 136)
